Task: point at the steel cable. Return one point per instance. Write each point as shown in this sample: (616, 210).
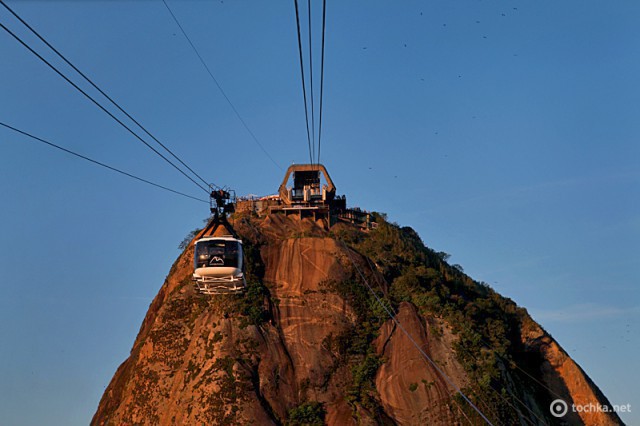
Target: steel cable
(68, 151)
(100, 106)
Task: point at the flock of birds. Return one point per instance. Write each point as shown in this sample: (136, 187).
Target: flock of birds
(444, 25)
(422, 79)
(627, 332)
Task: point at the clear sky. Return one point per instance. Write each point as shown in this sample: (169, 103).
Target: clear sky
(505, 132)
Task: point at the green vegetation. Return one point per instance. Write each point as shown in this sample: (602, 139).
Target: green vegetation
(354, 345)
(307, 414)
(188, 238)
(143, 393)
(370, 317)
(363, 388)
(253, 304)
(222, 408)
(487, 324)
(227, 381)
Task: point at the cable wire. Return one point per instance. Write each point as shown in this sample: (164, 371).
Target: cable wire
(492, 388)
(401, 327)
(324, 20)
(510, 393)
(215, 80)
(313, 114)
(68, 151)
(304, 90)
(100, 90)
(101, 107)
(495, 390)
(515, 364)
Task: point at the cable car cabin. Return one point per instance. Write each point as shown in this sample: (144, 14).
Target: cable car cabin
(218, 264)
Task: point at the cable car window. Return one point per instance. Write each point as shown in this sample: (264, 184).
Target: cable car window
(217, 254)
(231, 254)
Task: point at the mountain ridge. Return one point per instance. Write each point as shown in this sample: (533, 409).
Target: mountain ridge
(309, 344)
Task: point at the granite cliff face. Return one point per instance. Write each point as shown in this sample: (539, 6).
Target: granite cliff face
(309, 344)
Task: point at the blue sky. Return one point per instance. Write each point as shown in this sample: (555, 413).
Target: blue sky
(510, 142)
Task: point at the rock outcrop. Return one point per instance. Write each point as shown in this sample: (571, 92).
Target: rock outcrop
(308, 344)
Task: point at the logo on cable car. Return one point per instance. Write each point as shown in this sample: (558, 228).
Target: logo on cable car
(216, 261)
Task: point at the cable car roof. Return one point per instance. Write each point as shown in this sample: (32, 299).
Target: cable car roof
(224, 238)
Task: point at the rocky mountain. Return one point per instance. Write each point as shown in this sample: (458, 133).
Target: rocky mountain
(311, 341)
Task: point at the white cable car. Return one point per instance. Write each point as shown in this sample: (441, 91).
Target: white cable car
(218, 265)
(219, 261)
